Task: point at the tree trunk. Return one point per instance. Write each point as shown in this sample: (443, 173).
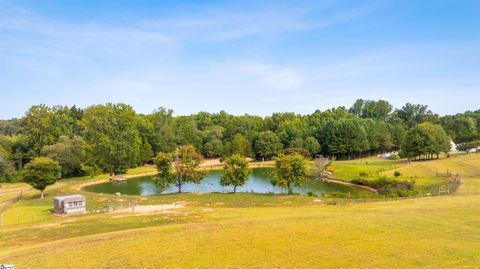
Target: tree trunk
(180, 188)
(41, 194)
(234, 189)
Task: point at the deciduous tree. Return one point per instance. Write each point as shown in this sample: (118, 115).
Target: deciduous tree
(235, 171)
(41, 172)
(290, 170)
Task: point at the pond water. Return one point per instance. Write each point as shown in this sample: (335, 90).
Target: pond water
(258, 182)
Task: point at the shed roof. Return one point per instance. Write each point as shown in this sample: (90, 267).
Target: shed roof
(73, 196)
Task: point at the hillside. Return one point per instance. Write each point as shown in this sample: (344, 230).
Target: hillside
(238, 231)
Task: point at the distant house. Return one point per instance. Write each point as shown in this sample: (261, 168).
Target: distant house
(453, 146)
(70, 204)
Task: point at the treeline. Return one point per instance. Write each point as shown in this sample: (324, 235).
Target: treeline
(113, 137)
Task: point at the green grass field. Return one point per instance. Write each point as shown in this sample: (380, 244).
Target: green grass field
(257, 231)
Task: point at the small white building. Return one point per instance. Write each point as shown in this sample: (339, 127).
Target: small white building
(70, 204)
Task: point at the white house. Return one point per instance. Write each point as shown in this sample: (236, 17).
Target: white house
(70, 204)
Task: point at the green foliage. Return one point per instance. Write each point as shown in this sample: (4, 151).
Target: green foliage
(235, 171)
(113, 140)
(461, 128)
(347, 138)
(397, 174)
(312, 145)
(239, 145)
(213, 148)
(380, 109)
(413, 114)
(186, 162)
(69, 152)
(117, 138)
(425, 140)
(311, 194)
(267, 145)
(290, 170)
(7, 169)
(467, 146)
(146, 153)
(165, 176)
(293, 151)
(385, 185)
(41, 172)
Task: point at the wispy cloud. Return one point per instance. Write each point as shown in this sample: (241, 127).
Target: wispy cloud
(277, 78)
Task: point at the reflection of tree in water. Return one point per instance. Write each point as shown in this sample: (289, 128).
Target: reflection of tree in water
(160, 185)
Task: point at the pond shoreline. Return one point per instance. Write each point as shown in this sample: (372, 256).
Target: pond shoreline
(343, 182)
(259, 182)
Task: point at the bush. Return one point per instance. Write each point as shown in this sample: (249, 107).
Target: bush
(360, 181)
(397, 174)
(311, 194)
(385, 185)
(336, 194)
(363, 174)
(394, 157)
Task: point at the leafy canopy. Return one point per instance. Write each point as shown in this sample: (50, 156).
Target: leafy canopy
(41, 172)
(235, 171)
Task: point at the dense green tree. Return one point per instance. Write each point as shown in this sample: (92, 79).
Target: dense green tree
(380, 109)
(163, 138)
(213, 148)
(146, 153)
(7, 167)
(461, 128)
(186, 162)
(291, 130)
(235, 171)
(38, 128)
(290, 170)
(424, 141)
(312, 145)
(41, 172)
(267, 145)
(367, 128)
(112, 138)
(69, 153)
(347, 138)
(378, 135)
(10, 127)
(412, 114)
(186, 132)
(165, 176)
(239, 145)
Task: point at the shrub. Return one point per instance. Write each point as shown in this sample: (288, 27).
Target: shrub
(336, 194)
(311, 194)
(363, 174)
(360, 181)
(397, 174)
(385, 185)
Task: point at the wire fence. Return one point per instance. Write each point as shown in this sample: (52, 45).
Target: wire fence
(9, 202)
(219, 200)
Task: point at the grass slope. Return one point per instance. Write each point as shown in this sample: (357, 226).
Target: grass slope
(433, 232)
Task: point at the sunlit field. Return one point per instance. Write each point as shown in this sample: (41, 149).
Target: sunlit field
(253, 230)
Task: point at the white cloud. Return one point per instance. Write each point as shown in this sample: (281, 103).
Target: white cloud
(278, 78)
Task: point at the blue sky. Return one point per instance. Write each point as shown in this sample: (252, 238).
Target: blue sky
(254, 57)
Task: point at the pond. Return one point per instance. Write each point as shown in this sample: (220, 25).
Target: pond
(258, 182)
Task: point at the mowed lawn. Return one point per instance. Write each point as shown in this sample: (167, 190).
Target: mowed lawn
(432, 232)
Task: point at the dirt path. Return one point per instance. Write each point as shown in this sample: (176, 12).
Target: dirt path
(150, 208)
